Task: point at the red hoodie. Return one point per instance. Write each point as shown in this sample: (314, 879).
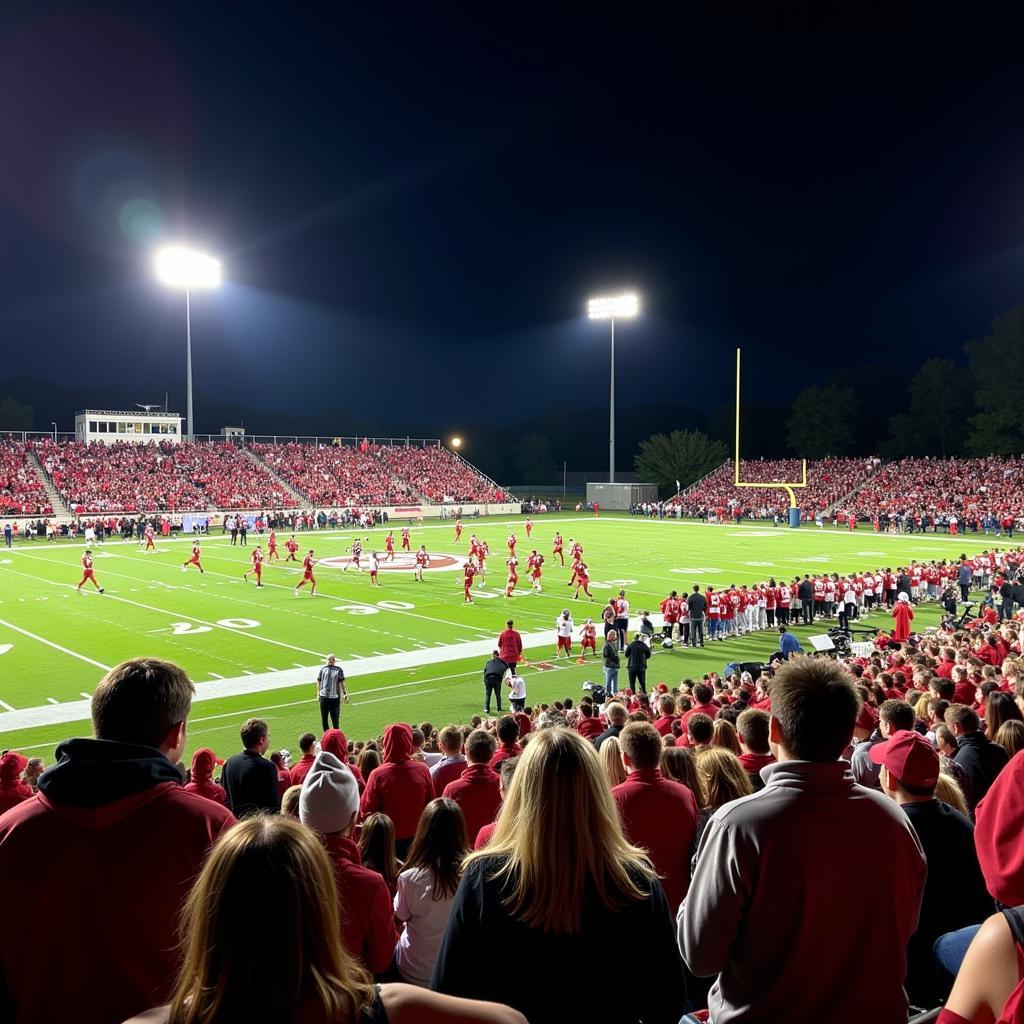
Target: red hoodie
(660, 815)
(119, 842)
(335, 742)
(478, 793)
(367, 918)
(590, 727)
(300, 769)
(12, 789)
(399, 788)
(202, 782)
(999, 820)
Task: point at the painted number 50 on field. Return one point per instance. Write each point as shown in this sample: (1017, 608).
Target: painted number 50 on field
(191, 628)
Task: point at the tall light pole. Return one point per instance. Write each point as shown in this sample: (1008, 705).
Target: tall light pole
(179, 267)
(612, 308)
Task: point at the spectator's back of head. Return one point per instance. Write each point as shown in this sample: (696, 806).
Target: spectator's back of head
(480, 747)
(450, 740)
(815, 707)
(641, 744)
(508, 729)
(959, 717)
(287, 867)
(753, 729)
(143, 701)
(254, 732)
(897, 715)
(703, 692)
(701, 728)
(306, 742)
(616, 714)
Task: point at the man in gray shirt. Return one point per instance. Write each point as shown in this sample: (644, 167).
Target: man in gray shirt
(330, 691)
(893, 716)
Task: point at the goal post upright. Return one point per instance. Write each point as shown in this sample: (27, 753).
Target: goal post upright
(794, 510)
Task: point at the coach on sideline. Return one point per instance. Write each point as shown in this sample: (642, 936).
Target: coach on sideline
(330, 690)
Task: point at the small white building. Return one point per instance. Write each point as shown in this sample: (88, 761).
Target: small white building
(140, 427)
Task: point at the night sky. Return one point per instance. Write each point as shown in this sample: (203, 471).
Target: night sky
(412, 204)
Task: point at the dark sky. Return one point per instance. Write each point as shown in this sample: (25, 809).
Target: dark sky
(412, 203)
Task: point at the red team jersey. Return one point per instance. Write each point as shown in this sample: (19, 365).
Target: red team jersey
(422, 558)
(87, 565)
(307, 565)
(257, 561)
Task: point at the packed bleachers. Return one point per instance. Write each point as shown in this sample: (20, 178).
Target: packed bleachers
(21, 491)
(439, 475)
(973, 490)
(336, 474)
(828, 480)
(169, 477)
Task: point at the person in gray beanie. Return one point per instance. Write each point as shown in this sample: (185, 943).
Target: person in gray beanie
(329, 805)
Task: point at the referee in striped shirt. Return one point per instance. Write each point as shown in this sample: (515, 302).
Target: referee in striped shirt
(330, 691)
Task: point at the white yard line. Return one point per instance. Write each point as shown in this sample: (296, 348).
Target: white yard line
(56, 647)
(251, 682)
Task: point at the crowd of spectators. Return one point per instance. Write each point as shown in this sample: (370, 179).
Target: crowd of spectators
(944, 494)
(161, 476)
(828, 480)
(21, 490)
(439, 475)
(711, 820)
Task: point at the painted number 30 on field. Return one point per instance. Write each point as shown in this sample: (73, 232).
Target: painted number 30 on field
(369, 609)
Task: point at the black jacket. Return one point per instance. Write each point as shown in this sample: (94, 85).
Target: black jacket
(982, 761)
(954, 893)
(480, 923)
(611, 656)
(494, 671)
(251, 784)
(698, 605)
(806, 590)
(637, 654)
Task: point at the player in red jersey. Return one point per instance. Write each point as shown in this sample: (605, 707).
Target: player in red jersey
(588, 637)
(575, 550)
(582, 580)
(529, 527)
(422, 561)
(389, 546)
(483, 550)
(291, 546)
(511, 544)
(458, 530)
(307, 575)
(405, 539)
(474, 546)
(556, 548)
(272, 547)
(374, 566)
(194, 560)
(533, 564)
(597, 510)
(87, 572)
(148, 534)
(513, 575)
(257, 566)
(468, 572)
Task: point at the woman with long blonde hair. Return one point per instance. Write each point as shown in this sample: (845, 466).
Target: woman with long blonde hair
(611, 762)
(559, 884)
(723, 779)
(270, 876)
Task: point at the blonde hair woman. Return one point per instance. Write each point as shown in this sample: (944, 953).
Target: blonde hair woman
(611, 762)
(275, 870)
(559, 884)
(723, 779)
(948, 790)
(724, 735)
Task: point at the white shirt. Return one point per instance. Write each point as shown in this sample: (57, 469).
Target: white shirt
(563, 626)
(518, 691)
(425, 922)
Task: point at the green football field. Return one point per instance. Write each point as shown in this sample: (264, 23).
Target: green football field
(411, 651)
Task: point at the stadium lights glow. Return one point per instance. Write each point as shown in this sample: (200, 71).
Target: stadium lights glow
(456, 442)
(186, 268)
(612, 307)
(180, 267)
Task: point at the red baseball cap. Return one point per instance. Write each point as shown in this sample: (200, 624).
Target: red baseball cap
(909, 757)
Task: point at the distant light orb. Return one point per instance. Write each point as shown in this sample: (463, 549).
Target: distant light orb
(456, 442)
(186, 268)
(141, 220)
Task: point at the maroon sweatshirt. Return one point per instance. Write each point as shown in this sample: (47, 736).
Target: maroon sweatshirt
(478, 794)
(399, 788)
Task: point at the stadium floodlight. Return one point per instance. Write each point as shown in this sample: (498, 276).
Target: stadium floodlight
(180, 267)
(613, 307)
(456, 442)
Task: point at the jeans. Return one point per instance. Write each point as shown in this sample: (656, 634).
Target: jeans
(696, 632)
(611, 680)
(330, 706)
(950, 949)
